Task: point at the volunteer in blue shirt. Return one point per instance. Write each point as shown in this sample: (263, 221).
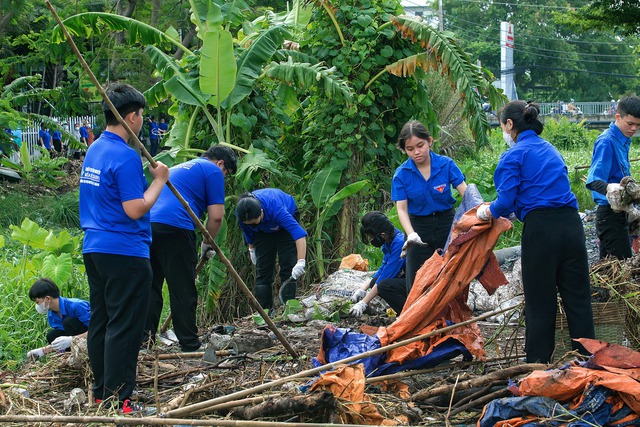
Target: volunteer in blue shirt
(84, 133)
(531, 180)
(269, 221)
(154, 134)
(388, 281)
(114, 214)
(173, 248)
(421, 188)
(57, 140)
(68, 317)
(609, 164)
(44, 138)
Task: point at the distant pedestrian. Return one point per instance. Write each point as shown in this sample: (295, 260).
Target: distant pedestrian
(44, 138)
(56, 137)
(154, 134)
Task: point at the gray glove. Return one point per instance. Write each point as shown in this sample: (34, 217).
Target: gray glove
(358, 295)
(614, 197)
(358, 309)
(252, 255)
(412, 239)
(35, 354)
(206, 251)
(61, 343)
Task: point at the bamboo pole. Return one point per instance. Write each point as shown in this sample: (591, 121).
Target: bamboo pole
(183, 202)
(132, 421)
(262, 387)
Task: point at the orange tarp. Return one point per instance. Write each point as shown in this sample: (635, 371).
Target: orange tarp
(441, 287)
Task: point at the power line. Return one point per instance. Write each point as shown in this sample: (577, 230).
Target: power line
(569, 70)
(537, 6)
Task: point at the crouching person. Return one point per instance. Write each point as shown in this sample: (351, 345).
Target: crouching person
(68, 317)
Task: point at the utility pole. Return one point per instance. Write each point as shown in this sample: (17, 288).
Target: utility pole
(441, 26)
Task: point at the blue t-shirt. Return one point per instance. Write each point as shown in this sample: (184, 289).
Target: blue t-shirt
(153, 130)
(200, 182)
(531, 175)
(278, 208)
(610, 160)
(57, 135)
(391, 262)
(84, 133)
(164, 126)
(70, 307)
(425, 197)
(46, 138)
(112, 174)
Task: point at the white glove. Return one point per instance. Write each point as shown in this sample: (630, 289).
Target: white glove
(484, 213)
(206, 251)
(358, 295)
(614, 196)
(252, 255)
(298, 269)
(412, 239)
(61, 343)
(358, 309)
(35, 354)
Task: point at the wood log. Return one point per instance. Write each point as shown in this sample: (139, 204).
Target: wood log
(288, 405)
(480, 381)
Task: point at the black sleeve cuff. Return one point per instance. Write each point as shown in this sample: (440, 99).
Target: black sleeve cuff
(372, 282)
(598, 186)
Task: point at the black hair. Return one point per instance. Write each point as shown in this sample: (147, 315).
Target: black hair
(42, 288)
(220, 152)
(373, 223)
(412, 128)
(524, 116)
(125, 98)
(248, 207)
(629, 105)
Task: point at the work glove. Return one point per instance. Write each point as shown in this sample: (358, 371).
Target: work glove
(35, 354)
(412, 239)
(61, 343)
(252, 255)
(358, 309)
(614, 196)
(206, 251)
(298, 269)
(358, 295)
(483, 213)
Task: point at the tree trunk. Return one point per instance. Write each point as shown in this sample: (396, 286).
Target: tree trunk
(155, 13)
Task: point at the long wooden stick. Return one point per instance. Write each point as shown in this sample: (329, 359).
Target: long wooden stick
(183, 202)
(262, 387)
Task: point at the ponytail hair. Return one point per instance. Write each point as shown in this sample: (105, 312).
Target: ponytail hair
(524, 116)
(248, 207)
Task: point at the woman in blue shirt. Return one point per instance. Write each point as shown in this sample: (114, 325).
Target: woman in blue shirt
(388, 281)
(532, 181)
(421, 188)
(269, 221)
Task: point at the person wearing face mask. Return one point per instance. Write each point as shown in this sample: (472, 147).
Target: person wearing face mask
(532, 181)
(388, 281)
(68, 317)
(610, 163)
(421, 188)
(269, 221)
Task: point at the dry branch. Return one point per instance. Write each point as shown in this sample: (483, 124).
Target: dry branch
(288, 405)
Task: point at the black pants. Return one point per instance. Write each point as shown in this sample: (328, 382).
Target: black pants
(174, 258)
(433, 230)
(57, 145)
(267, 246)
(72, 327)
(613, 232)
(394, 292)
(119, 295)
(554, 259)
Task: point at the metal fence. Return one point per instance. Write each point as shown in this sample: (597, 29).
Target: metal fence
(31, 134)
(584, 108)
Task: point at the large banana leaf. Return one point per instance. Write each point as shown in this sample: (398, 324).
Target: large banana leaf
(251, 62)
(324, 185)
(217, 65)
(306, 76)
(87, 24)
(332, 205)
(443, 53)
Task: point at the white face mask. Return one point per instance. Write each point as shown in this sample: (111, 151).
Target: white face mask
(42, 308)
(507, 138)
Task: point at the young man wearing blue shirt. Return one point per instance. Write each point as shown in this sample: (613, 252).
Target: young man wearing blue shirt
(421, 188)
(114, 213)
(269, 221)
(68, 317)
(173, 248)
(388, 281)
(44, 138)
(532, 181)
(609, 164)
(154, 134)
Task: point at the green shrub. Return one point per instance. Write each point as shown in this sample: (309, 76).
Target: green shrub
(566, 135)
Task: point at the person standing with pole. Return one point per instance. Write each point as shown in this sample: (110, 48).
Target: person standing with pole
(114, 214)
(173, 248)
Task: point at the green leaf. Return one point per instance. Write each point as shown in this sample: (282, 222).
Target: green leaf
(59, 243)
(347, 191)
(29, 233)
(324, 185)
(217, 66)
(258, 320)
(57, 268)
(1, 241)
